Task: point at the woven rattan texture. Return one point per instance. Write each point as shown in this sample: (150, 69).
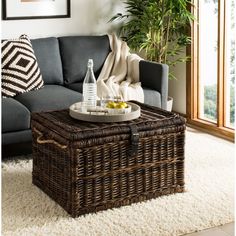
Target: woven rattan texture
(87, 167)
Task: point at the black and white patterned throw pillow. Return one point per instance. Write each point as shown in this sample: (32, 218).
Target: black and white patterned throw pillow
(20, 71)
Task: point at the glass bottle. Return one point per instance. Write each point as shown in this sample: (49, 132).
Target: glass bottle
(90, 87)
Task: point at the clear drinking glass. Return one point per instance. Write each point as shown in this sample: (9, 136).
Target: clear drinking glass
(106, 99)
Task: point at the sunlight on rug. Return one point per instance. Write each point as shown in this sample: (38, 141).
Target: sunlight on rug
(207, 202)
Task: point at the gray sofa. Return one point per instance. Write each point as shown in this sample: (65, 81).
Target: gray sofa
(62, 62)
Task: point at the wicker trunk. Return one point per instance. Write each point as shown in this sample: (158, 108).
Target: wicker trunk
(86, 167)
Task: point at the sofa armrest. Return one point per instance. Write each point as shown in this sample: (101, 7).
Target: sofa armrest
(155, 76)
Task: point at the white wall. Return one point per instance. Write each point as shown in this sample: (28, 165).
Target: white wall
(87, 17)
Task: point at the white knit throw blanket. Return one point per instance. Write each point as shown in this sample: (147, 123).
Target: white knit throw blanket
(120, 73)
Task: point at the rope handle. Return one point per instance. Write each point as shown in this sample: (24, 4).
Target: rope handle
(42, 141)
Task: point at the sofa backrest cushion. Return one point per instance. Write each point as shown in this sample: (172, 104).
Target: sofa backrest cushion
(75, 52)
(49, 59)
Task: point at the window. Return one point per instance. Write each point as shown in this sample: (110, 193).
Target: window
(230, 64)
(211, 72)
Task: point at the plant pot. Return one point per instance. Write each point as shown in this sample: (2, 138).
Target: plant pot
(169, 104)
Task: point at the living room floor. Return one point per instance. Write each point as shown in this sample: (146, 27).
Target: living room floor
(224, 230)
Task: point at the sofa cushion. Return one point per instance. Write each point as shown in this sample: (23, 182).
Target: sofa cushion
(50, 97)
(49, 59)
(22, 136)
(78, 87)
(20, 71)
(152, 97)
(75, 52)
(15, 116)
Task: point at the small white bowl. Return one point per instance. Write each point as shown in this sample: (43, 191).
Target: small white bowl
(118, 111)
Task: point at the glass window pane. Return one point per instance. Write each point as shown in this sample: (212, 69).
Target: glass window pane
(208, 39)
(230, 65)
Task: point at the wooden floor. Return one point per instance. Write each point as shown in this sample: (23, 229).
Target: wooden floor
(224, 230)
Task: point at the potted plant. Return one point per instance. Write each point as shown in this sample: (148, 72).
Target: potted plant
(159, 28)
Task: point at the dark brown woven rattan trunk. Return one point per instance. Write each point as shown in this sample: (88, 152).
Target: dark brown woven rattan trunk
(86, 167)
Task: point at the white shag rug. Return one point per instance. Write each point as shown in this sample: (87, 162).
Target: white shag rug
(207, 202)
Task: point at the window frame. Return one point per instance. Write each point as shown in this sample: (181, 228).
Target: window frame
(192, 81)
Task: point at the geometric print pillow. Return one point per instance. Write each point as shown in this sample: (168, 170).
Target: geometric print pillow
(20, 71)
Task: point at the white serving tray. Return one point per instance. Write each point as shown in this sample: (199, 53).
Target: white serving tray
(75, 111)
